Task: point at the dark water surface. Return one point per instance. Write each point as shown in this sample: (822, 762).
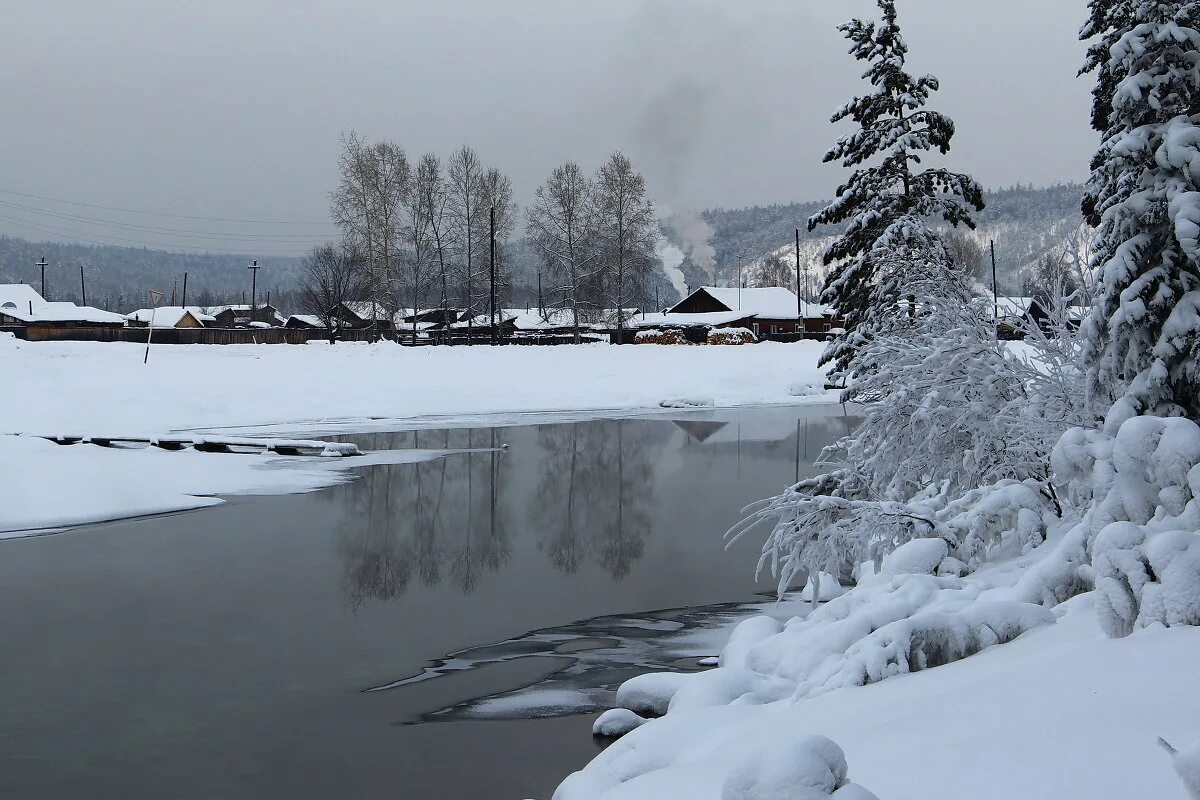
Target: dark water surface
(229, 652)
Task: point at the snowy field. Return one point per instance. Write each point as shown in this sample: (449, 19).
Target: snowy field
(91, 389)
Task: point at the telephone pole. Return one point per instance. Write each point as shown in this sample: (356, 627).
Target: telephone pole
(82, 285)
(799, 301)
(492, 256)
(995, 292)
(183, 301)
(43, 265)
(254, 268)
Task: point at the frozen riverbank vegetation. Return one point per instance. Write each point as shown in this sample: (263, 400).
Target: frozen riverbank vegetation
(1020, 527)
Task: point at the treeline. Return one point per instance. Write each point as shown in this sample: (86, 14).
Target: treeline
(119, 277)
(431, 234)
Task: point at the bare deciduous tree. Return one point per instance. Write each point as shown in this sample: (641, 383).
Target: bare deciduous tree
(561, 227)
(627, 233)
(430, 188)
(331, 276)
(465, 174)
(374, 182)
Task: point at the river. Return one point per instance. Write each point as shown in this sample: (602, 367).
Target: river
(442, 629)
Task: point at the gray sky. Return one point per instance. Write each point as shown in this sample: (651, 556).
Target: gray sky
(233, 108)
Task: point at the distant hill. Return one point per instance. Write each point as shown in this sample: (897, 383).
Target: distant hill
(1025, 223)
(120, 276)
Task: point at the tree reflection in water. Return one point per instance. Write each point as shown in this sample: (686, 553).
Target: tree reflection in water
(588, 488)
(595, 496)
(450, 517)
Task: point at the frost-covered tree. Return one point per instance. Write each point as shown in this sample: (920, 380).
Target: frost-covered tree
(955, 443)
(893, 131)
(1143, 335)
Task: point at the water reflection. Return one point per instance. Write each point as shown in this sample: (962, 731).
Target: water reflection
(583, 494)
(448, 518)
(595, 494)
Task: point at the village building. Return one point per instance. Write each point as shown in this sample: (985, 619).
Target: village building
(239, 316)
(170, 317)
(25, 313)
(765, 311)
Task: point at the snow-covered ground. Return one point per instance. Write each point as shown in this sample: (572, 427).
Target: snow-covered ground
(1062, 711)
(94, 389)
(75, 386)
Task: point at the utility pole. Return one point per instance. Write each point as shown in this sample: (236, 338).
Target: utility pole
(492, 228)
(657, 307)
(799, 301)
(43, 265)
(253, 287)
(995, 292)
(541, 303)
(174, 286)
(183, 301)
(82, 285)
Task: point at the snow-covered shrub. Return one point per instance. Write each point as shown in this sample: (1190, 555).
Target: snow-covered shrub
(616, 722)
(731, 336)
(955, 444)
(797, 767)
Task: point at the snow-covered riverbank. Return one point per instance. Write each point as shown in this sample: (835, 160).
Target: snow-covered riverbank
(96, 389)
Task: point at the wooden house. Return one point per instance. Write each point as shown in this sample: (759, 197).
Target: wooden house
(170, 317)
(25, 313)
(239, 316)
(766, 311)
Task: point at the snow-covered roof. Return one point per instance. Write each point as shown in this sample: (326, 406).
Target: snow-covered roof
(19, 295)
(363, 309)
(168, 316)
(708, 318)
(771, 302)
(307, 319)
(20, 301)
(243, 310)
(1013, 306)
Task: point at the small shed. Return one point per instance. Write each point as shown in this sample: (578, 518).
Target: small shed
(239, 316)
(170, 317)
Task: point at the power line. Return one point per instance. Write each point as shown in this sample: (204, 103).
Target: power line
(87, 236)
(226, 236)
(162, 213)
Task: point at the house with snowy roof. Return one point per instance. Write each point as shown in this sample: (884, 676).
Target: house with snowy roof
(170, 317)
(766, 311)
(239, 316)
(24, 312)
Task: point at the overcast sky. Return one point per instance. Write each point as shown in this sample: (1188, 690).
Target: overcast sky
(233, 108)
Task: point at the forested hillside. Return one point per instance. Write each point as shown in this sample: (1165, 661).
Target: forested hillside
(1025, 222)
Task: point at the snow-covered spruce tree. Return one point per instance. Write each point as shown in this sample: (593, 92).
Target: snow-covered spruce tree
(894, 127)
(1142, 339)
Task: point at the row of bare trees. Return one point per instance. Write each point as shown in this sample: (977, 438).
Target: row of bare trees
(412, 232)
(416, 234)
(597, 237)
